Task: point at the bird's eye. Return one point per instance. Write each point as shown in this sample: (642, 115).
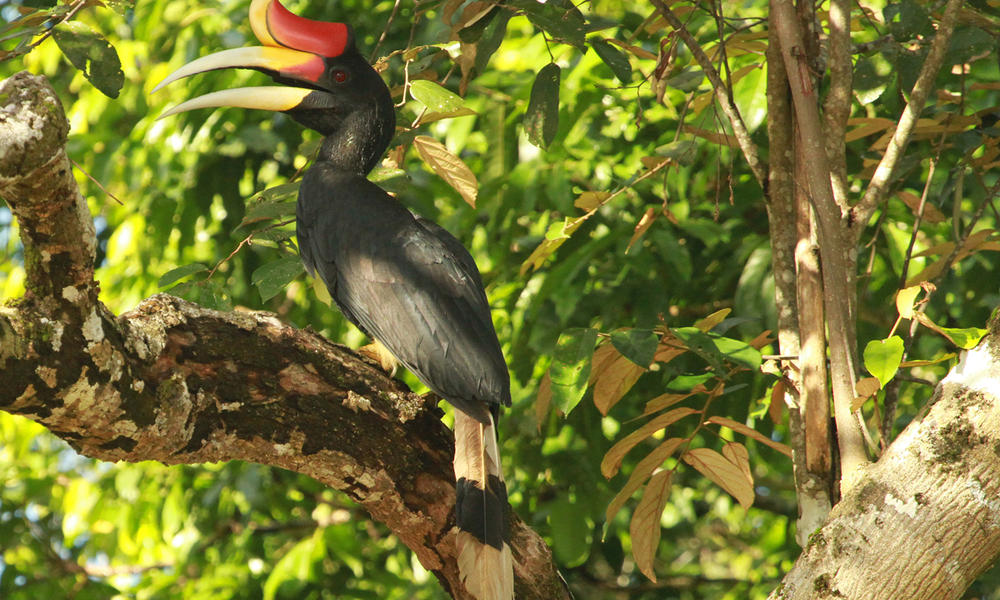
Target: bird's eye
(340, 76)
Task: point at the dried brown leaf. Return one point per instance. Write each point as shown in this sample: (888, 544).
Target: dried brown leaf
(449, 167)
(613, 459)
(751, 433)
(777, 408)
(647, 219)
(614, 381)
(737, 454)
(641, 473)
(544, 399)
(604, 355)
(664, 401)
(645, 525)
(722, 472)
(931, 213)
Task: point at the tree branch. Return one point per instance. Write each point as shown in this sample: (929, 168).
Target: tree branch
(174, 382)
(837, 251)
(922, 522)
(721, 94)
(837, 106)
(908, 120)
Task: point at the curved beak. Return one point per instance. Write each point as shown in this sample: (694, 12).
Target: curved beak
(294, 51)
(283, 62)
(277, 99)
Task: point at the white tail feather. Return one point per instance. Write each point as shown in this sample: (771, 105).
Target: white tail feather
(486, 571)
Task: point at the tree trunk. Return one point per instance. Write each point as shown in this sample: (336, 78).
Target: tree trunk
(180, 384)
(924, 521)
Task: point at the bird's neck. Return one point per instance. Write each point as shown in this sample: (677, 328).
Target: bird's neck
(362, 138)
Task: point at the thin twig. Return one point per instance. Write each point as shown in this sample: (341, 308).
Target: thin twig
(385, 32)
(75, 8)
(721, 93)
(96, 182)
(919, 217)
(924, 85)
(247, 241)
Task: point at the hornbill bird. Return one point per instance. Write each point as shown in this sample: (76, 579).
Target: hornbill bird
(402, 279)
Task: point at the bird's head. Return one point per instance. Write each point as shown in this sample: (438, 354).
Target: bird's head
(325, 79)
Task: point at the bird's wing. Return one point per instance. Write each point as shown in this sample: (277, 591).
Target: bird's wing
(412, 286)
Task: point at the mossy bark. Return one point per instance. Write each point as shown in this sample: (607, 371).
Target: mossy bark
(175, 382)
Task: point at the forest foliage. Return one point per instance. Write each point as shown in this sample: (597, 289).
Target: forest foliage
(580, 154)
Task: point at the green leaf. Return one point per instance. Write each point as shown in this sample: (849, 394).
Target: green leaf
(966, 338)
(571, 536)
(265, 211)
(435, 97)
(93, 55)
(869, 80)
(570, 367)
(968, 43)
(907, 20)
(174, 275)
(701, 344)
(295, 567)
(541, 121)
(637, 345)
(682, 151)
(492, 37)
(271, 278)
(737, 351)
(614, 58)
(277, 193)
(561, 20)
(688, 80)
(882, 358)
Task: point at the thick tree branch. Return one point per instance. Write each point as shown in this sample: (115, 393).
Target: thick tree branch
(173, 382)
(837, 251)
(922, 522)
(811, 487)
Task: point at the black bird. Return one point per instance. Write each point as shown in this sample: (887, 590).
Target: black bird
(403, 280)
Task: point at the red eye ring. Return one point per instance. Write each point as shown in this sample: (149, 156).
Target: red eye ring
(340, 76)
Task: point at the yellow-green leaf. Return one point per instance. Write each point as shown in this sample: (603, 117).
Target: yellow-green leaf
(882, 358)
(905, 299)
(557, 233)
(591, 200)
(709, 322)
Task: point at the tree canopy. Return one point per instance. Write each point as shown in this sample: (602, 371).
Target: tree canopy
(654, 245)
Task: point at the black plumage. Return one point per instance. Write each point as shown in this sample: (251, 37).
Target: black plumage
(406, 282)
(402, 279)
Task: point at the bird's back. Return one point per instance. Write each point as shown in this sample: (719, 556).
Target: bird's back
(406, 282)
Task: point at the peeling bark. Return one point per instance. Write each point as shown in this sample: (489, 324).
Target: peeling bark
(174, 382)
